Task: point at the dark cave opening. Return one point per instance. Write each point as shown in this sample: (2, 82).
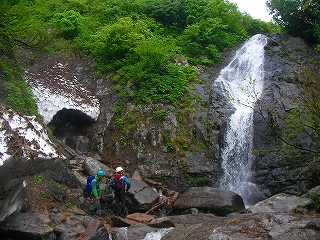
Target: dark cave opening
(70, 121)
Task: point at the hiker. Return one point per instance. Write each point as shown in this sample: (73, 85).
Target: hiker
(120, 184)
(95, 193)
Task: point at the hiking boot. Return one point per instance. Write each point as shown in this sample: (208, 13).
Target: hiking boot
(122, 215)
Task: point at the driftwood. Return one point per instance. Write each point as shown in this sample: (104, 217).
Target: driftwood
(156, 206)
(164, 201)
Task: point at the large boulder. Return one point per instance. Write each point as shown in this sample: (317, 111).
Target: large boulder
(246, 226)
(214, 200)
(81, 227)
(25, 226)
(140, 196)
(12, 185)
(282, 203)
(91, 166)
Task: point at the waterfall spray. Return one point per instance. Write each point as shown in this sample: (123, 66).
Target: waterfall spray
(243, 81)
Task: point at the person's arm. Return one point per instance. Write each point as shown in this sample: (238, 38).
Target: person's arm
(111, 182)
(127, 181)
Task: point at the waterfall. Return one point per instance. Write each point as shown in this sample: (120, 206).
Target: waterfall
(243, 81)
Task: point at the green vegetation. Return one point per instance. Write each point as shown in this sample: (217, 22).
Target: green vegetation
(316, 199)
(138, 41)
(39, 178)
(160, 114)
(15, 91)
(298, 18)
(195, 178)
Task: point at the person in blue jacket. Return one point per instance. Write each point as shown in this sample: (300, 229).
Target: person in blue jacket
(120, 184)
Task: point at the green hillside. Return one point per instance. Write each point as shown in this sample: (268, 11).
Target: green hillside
(136, 40)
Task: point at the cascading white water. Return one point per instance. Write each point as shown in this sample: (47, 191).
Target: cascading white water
(243, 81)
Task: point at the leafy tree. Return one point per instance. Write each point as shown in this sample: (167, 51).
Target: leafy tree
(304, 119)
(151, 75)
(207, 39)
(14, 32)
(69, 24)
(113, 42)
(168, 12)
(298, 17)
(17, 28)
(309, 108)
(16, 93)
(256, 26)
(314, 7)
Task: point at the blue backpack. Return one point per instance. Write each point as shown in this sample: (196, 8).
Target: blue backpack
(88, 187)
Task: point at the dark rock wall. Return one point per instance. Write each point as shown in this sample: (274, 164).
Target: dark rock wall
(275, 171)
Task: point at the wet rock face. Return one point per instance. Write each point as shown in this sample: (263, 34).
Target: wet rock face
(275, 172)
(284, 57)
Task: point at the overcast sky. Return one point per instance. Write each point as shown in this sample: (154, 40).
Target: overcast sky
(255, 8)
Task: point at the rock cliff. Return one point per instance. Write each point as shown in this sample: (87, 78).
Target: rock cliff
(181, 149)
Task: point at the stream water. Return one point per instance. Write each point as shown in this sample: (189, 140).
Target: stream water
(243, 81)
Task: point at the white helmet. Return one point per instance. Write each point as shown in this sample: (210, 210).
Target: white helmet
(119, 169)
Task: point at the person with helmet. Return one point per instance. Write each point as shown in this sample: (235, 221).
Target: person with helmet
(119, 179)
(95, 192)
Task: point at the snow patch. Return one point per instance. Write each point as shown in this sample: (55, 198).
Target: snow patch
(56, 88)
(25, 134)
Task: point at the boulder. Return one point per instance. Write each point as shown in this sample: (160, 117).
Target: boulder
(214, 200)
(314, 224)
(91, 166)
(25, 226)
(59, 173)
(299, 234)
(140, 197)
(82, 227)
(58, 193)
(193, 218)
(247, 226)
(163, 222)
(139, 231)
(140, 217)
(281, 203)
(122, 222)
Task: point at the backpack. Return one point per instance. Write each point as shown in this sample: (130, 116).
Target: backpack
(117, 183)
(88, 186)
